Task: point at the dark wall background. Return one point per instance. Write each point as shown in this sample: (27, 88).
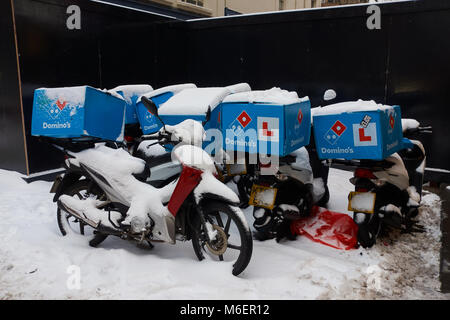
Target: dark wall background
(51, 55)
(407, 62)
(12, 148)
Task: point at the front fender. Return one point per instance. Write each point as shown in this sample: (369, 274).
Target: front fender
(210, 188)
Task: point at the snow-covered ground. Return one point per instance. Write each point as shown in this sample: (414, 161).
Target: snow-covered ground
(36, 262)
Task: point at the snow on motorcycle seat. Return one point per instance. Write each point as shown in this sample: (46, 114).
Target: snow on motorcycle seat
(149, 123)
(78, 112)
(357, 130)
(131, 93)
(273, 121)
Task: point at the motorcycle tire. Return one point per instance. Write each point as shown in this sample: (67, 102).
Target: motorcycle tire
(368, 230)
(203, 249)
(244, 186)
(62, 217)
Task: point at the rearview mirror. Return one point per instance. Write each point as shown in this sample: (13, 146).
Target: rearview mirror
(150, 105)
(207, 116)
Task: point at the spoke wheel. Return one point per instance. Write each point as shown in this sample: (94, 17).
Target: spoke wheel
(231, 237)
(70, 225)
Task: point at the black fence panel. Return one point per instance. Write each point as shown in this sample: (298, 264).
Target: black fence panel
(52, 55)
(12, 143)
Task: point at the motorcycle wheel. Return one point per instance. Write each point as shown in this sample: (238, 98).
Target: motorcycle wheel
(369, 226)
(233, 240)
(69, 225)
(244, 186)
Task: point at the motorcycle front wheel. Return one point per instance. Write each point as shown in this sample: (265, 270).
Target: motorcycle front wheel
(232, 238)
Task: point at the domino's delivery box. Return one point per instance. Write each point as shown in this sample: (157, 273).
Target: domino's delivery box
(357, 130)
(77, 112)
(131, 93)
(149, 123)
(274, 121)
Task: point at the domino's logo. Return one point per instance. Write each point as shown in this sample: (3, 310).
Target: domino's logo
(239, 124)
(364, 137)
(335, 132)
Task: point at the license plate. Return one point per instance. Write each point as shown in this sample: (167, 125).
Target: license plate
(262, 196)
(361, 201)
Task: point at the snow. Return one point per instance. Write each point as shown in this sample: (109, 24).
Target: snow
(151, 148)
(195, 101)
(239, 87)
(176, 88)
(188, 131)
(330, 94)
(35, 259)
(272, 96)
(408, 124)
(350, 106)
(73, 95)
(194, 156)
(364, 201)
(119, 166)
(131, 90)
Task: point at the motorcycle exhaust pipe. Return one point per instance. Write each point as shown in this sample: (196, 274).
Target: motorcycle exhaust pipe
(76, 214)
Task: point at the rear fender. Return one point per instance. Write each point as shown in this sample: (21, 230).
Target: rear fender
(211, 188)
(70, 177)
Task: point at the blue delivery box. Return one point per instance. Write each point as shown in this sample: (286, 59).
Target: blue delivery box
(357, 130)
(149, 123)
(77, 112)
(131, 93)
(274, 121)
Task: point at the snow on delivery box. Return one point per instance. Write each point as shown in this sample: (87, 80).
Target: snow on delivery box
(77, 112)
(357, 130)
(274, 121)
(149, 123)
(180, 102)
(131, 93)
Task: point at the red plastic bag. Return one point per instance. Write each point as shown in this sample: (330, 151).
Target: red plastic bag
(337, 230)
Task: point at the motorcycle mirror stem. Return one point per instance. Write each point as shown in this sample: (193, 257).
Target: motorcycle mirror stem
(207, 116)
(152, 108)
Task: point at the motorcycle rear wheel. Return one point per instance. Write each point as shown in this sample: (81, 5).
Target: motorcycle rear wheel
(225, 247)
(368, 229)
(70, 225)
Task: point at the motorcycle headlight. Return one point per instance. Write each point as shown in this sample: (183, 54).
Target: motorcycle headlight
(137, 224)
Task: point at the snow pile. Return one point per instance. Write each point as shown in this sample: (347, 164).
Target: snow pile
(350, 106)
(176, 88)
(71, 95)
(271, 96)
(239, 87)
(35, 259)
(132, 90)
(408, 124)
(195, 101)
(189, 131)
(151, 148)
